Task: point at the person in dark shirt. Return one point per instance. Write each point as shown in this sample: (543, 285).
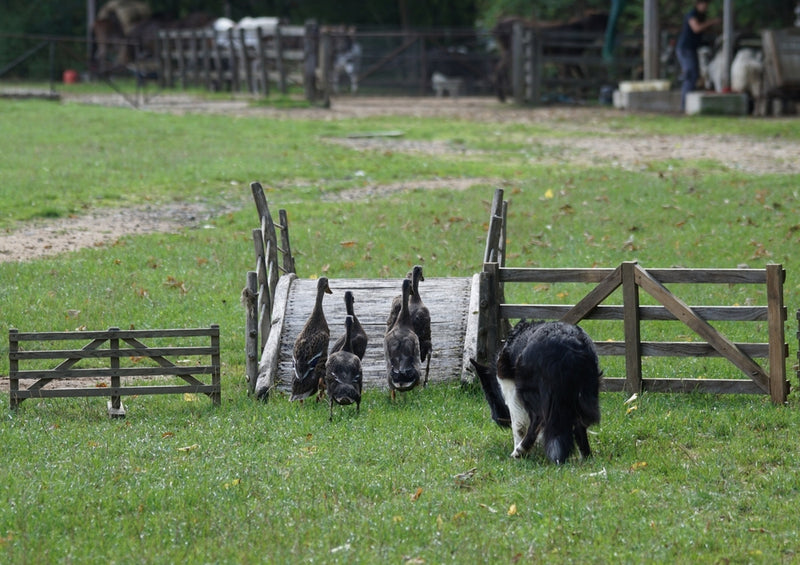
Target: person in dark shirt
(694, 24)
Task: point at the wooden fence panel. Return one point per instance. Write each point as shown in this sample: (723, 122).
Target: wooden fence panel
(633, 279)
(122, 344)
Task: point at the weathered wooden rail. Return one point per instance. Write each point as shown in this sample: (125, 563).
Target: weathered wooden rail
(633, 279)
(260, 290)
(127, 356)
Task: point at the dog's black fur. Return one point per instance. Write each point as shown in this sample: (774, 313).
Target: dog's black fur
(548, 376)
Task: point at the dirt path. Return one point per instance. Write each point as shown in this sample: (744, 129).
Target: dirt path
(598, 146)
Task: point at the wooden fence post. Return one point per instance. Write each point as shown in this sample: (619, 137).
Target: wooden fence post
(205, 54)
(778, 385)
(216, 376)
(251, 343)
(286, 248)
(517, 64)
(115, 407)
(633, 342)
(310, 61)
(279, 66)
(13, 367)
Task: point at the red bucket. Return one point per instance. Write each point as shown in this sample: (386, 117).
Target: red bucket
(70, 76)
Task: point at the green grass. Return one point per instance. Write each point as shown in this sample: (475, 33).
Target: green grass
(674, 478)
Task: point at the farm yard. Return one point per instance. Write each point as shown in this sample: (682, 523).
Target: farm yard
(142, 218)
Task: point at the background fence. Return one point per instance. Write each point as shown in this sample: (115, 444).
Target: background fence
(544, 66)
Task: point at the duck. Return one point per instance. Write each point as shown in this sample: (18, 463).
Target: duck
(343, 374)
(401, 348)
(311, 349)
(420, 319)
(359, 336)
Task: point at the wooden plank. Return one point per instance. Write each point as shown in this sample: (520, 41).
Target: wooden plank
(51, 374)
(120, 353)
(553, 275)
(471, 332)
(679, 349)
(599, 293)
(711, 386)
(646, 313)
(589, 275)
(103, 335)
(270, 355)
(493, 244)
(115, 391)
(685, 314)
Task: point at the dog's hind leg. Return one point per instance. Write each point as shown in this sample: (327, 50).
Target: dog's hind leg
(582, 439)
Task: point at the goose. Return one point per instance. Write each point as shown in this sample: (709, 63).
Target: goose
(343, 375)
(401, 348)
(359, 336)
(311, 349)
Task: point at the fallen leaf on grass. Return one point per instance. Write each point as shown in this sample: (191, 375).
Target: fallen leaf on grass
(189, 397)
(416, 495)
(167, 434)
(638, 465)
(489, 508)
(512, 510)
(189, 447)
(233, 483)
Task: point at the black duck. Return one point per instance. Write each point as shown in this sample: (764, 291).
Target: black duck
(401, 348)
(359, 336)
(311, 349)
(343, 375)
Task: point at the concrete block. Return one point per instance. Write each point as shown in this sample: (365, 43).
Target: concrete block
(648, 101)
(716, 104)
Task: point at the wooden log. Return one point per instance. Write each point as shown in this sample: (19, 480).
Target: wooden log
(446, 298)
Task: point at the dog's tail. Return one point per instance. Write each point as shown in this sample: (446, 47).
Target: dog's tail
(493, 394)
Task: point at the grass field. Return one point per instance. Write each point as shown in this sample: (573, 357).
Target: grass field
(674, 478)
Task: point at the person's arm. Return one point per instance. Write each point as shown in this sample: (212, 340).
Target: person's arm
(699, 27)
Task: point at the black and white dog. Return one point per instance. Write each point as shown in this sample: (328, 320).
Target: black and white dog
(546, 383)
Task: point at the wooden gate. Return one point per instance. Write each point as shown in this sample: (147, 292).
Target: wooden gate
(634, 279)
(133, 359)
